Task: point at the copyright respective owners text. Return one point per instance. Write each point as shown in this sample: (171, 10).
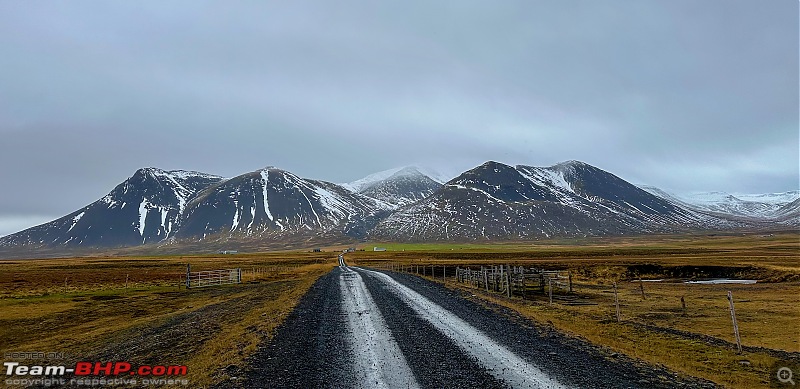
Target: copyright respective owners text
(53, 369)
(785, 375)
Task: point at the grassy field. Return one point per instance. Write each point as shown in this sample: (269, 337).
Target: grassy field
(137, 309)
(654, 328)
(81, 307)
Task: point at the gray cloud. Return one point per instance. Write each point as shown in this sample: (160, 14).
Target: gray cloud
(685, 95)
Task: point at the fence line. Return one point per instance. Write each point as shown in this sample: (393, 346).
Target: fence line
(555, 286)
(515, 280)
(205, 278)
(509, 280)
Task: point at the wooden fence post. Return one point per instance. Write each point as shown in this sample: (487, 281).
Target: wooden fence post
(616, 303)
(550, 284)
(508, 282)
(541, 281)
(735, 324)
(501, 277)
(641, 288)
(569, 273)
(188, 276)
(683, 305)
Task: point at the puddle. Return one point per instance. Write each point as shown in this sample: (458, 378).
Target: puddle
(722, 281)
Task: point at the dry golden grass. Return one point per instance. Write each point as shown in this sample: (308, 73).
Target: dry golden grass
(96, 311)
(687, 356)
(241, 339)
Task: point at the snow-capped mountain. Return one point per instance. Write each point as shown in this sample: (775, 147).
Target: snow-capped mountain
(272, 201)
(403, 186)
(760, 206)
(497, 201)
(492, 201)
(145, 208)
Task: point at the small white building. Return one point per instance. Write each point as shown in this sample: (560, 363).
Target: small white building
(376, 248)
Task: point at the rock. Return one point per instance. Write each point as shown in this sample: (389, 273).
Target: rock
(744, 362)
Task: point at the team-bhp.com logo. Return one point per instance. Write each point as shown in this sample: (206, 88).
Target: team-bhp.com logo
(94, 373)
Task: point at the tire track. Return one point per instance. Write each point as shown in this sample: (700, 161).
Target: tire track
(378, 361)
(436, 361)
(499, 361)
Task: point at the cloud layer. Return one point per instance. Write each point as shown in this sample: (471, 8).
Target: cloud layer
(685, 95)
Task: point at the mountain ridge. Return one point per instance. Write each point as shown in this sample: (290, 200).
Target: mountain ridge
(492, 201)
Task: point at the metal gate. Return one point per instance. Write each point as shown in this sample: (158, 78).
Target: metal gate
(200, 279)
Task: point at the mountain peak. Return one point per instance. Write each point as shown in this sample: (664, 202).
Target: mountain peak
(407, 171)
(147, 170)
(493, 164)
(396, 187)
(572, 164)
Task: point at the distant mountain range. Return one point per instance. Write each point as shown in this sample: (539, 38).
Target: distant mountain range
(765, 206)
(492, 201)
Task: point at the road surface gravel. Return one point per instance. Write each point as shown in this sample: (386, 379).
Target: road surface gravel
(362, 328)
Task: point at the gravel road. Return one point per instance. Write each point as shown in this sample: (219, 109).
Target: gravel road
(361, 328)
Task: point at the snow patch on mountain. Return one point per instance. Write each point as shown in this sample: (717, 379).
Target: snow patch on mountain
(265, 183)
(75, 220)
(362, 183)
(142, 216)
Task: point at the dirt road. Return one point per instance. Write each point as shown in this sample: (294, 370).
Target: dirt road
(362, 328)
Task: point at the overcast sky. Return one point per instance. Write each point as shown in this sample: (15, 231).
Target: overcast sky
(685, 95)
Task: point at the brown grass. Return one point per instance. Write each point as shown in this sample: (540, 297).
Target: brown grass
(96, 311)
